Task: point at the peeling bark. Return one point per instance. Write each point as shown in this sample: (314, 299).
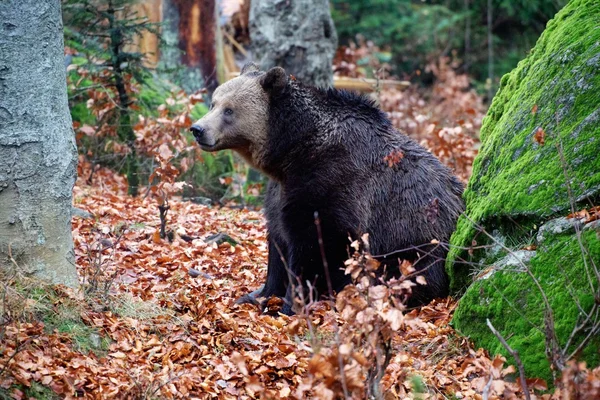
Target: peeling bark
(197, 28)
(190, 25)
(38, 156)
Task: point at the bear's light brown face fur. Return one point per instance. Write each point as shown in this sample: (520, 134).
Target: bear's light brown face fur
(237, 119)
(239, 114)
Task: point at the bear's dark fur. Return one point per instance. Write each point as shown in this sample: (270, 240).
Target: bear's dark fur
(327, 151)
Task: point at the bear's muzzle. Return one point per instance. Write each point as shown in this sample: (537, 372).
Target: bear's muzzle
(198, 132)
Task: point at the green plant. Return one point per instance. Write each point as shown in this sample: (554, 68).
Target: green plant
(103, 31)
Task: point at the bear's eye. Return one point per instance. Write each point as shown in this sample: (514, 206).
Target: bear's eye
(228, 111)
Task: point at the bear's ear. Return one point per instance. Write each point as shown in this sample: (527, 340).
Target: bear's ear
(274, 80)
(249, 67)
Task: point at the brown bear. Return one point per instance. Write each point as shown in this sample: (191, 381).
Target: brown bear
(329, 151)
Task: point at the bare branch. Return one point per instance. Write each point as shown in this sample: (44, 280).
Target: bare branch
(555, 355)
(515, 355)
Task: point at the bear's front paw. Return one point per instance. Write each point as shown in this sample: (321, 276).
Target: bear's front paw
(250, 298)
(287, 309)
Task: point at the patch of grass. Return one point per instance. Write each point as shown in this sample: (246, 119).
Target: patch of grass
(127, 306)
(35, 391)
(418, 386)
(159, 319)
(438, 353)
(137, 226)
(66, 320)
(318, 338)
(31, 300)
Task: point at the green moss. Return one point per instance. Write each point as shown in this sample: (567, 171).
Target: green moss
(34, 391)
(66, 319)
(514, 305)
(515, 176)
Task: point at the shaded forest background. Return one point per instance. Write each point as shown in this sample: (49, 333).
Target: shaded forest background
(415, 33)
(132, 67)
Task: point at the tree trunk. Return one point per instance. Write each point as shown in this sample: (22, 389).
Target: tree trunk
(190, 26)
(297, 35)
(38, 156)
(197, 28)
(125, 128)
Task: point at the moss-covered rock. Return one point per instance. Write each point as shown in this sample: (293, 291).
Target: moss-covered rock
(513, 303)
(539, 156)
(556, 88)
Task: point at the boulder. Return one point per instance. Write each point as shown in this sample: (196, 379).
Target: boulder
(539, 161)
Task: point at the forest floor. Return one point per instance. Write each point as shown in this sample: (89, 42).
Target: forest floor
(156, 318)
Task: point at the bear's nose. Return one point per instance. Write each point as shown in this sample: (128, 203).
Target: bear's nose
(197, 131)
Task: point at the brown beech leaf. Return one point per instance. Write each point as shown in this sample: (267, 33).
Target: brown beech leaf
(540, 136)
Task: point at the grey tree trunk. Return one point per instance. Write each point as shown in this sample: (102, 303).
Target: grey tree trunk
(38, 156)
(298, 35)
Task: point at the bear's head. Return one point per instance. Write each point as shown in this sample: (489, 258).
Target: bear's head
(239, 113)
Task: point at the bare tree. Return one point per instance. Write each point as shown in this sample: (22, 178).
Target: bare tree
(490, 43)
(38, 156)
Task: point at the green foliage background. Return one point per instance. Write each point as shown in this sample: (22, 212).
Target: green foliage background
(419, 31)
(88, 35)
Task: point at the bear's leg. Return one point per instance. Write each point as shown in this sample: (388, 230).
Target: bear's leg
(429, 262)
(288, 301)
(306, 263)
(277, 278)
(432, 267)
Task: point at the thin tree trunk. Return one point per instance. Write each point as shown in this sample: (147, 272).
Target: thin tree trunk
(125, 128)
(490, 51)
(188, 47)
(197, 27)
(38, 156)
(467, 36)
